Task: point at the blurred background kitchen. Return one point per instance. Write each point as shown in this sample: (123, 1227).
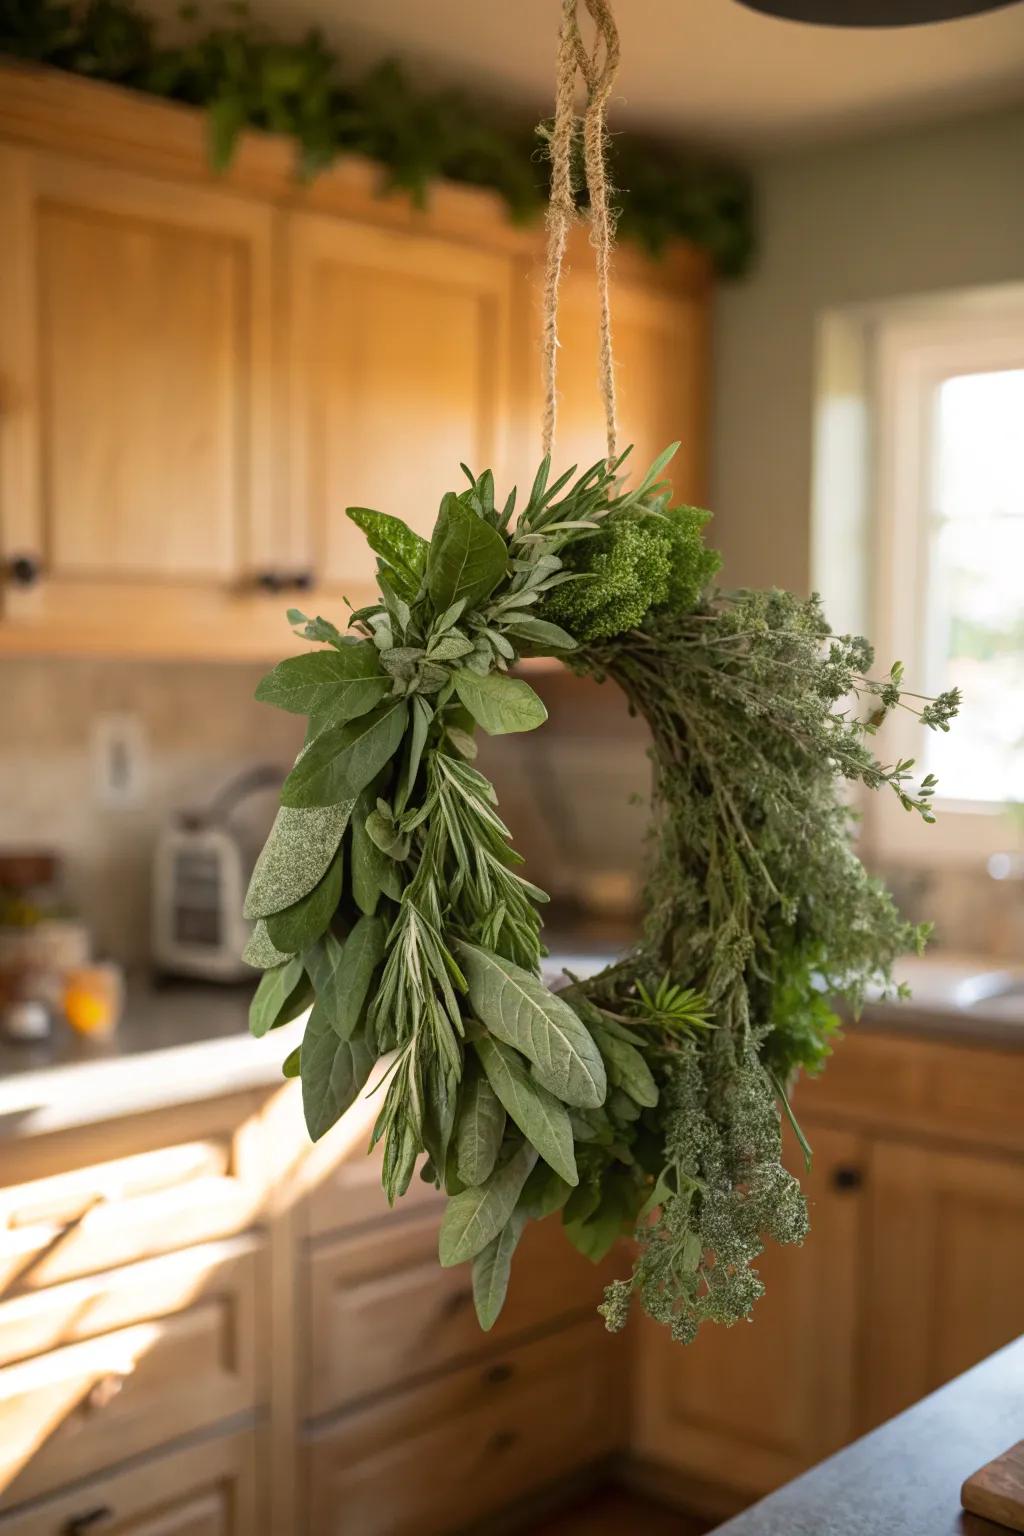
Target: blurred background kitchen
(820, 291)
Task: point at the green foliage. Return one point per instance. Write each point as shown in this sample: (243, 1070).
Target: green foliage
(245, 77)
(649, 1098)
(630, 566)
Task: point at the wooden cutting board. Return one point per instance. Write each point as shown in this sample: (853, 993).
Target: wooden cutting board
(996, 1490)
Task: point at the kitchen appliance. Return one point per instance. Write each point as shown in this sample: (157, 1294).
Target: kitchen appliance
(203, 862)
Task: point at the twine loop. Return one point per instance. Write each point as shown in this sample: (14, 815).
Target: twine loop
(598, 67)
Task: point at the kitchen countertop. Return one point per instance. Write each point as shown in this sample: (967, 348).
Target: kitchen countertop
(904, 1479)
(194, 1040)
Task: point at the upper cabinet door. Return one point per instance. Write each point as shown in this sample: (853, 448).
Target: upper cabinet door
(660, 338)
(135, 376)
(399, 371)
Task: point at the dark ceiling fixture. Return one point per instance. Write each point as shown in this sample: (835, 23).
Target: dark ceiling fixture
(873, 13)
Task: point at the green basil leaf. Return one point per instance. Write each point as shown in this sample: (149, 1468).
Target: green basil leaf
(334, 1073)
(300, 925)
(402, 550)
(479, 1127)
(301, 845)
(343, 759)
(261, 951)
(281, 996)
(476, 1216)
(500, 704)
(467, 557)
(491, 1270)
(519, 1009)
(334, 685)
(539, 1115)
(627, 1068)
(342, 974)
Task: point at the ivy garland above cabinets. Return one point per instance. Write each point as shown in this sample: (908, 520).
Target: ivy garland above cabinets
(246, 78)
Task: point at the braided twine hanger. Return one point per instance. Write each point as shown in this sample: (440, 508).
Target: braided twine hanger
(598, 68)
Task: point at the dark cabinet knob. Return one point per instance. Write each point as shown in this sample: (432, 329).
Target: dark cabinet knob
(303, 581)
(496, 1375)
(89, 1520)
(271, 581)
(24, 570)
(504, 1440)
(846, 1178)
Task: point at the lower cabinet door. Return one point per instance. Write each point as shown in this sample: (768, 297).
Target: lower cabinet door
(208, 1490)
(945, 1273)
(472, 1443)
(747, 1408)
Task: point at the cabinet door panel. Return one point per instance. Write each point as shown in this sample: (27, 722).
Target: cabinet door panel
(399, 372)
(947, 1257)
(749, 1407)
(135, 359)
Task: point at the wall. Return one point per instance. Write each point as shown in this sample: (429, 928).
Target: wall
(902, 215)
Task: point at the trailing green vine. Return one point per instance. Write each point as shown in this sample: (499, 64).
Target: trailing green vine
(245, 77)
(648, 1100)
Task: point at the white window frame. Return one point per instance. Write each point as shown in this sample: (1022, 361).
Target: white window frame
(878, 368)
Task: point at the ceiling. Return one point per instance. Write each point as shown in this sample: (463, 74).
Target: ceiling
(707, 70)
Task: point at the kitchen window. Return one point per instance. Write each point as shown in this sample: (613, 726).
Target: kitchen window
(928, 424)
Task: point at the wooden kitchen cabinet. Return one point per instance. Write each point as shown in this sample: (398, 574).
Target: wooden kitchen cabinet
(749, 1407)
(911, 1274)
(207, 1490)
(399, 350)
(199, 374)
(135, 360)
(945, 1273)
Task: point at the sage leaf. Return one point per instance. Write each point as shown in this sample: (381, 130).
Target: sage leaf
(342, 974)
(281, 996)
(291, 1066)
(544, 1192)
(402, 550)
(538, 1114)
(541, 634)
(500, 704)
(335, 686)
(467, 557)
(334, 1073)
(373, 874)
(479, 1127)
(261, 951)
(343, 759)
(476, 1216)
(519, 1009)
(491, 1270)
(301, 845)
(627, 1068)
(300, 925)
(613, 1218)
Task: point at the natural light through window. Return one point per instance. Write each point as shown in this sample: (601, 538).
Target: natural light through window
(974, 607)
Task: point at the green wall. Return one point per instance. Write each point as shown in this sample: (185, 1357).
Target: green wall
(887, 218)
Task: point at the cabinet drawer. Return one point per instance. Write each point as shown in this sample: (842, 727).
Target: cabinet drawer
(963, 1093)
(209, 1490)
(440, 1456)
(381, 1311)
(349, 1193)
(88, 1405)
(66, 1212)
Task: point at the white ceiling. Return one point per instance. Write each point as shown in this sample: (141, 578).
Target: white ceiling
(709, 70)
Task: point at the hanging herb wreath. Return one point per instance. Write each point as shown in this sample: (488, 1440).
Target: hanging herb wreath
(649, 1099)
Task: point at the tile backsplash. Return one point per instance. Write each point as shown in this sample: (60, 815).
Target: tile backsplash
(573, 793)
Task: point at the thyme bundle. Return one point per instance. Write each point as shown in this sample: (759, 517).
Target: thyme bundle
(389, 897)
